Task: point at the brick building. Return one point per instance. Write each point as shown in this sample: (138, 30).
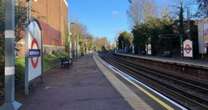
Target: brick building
(52, 16)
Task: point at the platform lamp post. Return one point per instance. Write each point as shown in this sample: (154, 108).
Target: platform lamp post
(70, 45)
(10, 103)
(69, 40)
(78, 46)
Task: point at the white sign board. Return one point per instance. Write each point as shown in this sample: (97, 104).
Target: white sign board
(187, 48)
(203, 36)
(33, 43)
(149, 48)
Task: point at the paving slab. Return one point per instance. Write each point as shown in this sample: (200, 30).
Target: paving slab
(81, 87)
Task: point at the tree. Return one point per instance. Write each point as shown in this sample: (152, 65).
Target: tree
(1, 17)
(78, 31)
(124, 40)
(1, 38)
(89, 42)
(181, 20)
(101, 44)
(140, 33)
(77, 28)
(81, 36)
(140, 10)
(203, 7)
(149, 32)
(20, 19)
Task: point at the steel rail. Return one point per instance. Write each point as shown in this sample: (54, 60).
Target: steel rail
(143, 72)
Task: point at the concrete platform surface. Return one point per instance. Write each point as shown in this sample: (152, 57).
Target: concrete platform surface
(82, 87)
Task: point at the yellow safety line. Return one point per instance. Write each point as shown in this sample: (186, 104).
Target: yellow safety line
(154, 98)
(166, 106)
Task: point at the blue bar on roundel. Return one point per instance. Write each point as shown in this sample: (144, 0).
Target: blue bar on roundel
(34, 53)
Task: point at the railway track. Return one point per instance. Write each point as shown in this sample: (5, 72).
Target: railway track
(192, 94)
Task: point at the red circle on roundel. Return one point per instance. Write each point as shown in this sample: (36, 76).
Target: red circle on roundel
(188, 48)
(34, 61)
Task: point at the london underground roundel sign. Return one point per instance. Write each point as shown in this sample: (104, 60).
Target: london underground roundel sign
(33, 44)
(187, 48)
(34, 53)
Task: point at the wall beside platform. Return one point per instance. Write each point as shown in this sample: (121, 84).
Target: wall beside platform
(52, 16)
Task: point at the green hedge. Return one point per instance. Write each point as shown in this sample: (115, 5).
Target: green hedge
(49, 62)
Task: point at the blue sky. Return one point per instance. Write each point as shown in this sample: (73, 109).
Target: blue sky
(104, 18)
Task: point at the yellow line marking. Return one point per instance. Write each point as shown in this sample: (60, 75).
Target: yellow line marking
(155, 98)
(166, 106)
(134, 101)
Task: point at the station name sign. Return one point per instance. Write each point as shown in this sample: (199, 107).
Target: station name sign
(34, 53)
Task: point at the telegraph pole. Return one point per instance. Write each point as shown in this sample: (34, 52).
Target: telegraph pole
(10, 103)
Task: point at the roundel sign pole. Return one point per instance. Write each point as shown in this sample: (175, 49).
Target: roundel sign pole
(188, 48)
(33, 59)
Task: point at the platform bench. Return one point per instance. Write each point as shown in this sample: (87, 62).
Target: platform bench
(66, 62)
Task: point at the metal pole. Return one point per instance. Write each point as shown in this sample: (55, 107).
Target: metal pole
(10, 103)
(70, 42)
(29, 8)
(188, 18)
(181, 26)
(78, 46)
(70, 46)
(26, 63)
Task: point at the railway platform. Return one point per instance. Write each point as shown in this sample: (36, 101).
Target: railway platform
(178, 61)
(90, 85)
(85, 86)
(81, 87)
